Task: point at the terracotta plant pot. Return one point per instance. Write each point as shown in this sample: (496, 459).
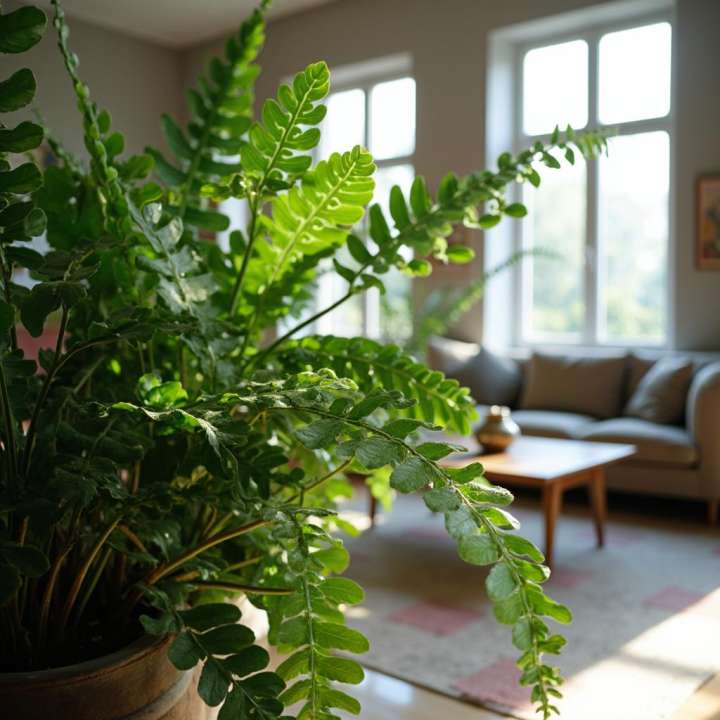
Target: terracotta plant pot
(136, 683)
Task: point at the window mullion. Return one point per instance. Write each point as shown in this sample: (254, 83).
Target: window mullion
(592, 251)
(370, 312)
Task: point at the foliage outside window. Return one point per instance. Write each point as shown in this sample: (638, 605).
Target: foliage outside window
(610, 218)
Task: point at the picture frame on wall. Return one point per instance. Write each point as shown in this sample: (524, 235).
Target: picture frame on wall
(708, 222)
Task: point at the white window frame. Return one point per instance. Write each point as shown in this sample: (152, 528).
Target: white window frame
(364, 76)
(589, 336)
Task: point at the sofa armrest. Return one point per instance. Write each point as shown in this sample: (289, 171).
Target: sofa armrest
(703, 422)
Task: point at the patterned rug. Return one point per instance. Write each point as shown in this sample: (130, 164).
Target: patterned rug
(646, 632)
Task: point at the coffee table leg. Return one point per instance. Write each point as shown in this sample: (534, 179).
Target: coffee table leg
(552, 502)
(599, 504)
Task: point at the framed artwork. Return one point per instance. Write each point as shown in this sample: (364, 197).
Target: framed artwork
(708, 222)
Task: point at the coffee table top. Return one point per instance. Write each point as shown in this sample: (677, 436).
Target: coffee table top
(539, 460)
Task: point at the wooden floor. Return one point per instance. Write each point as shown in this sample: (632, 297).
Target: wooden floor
(384, 697)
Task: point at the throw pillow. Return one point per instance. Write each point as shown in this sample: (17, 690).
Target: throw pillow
(661, 394)
(590, 386)
(492, 379)
(637, 368)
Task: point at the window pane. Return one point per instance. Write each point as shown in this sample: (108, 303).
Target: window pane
(553, 286)
(555, 87)
(390, 315)
(344, 124)
(385, 178)
(392, 119)
(633, 237)
(635, 73)
(346, 320)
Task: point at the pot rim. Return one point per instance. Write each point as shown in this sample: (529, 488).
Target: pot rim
(90, 669)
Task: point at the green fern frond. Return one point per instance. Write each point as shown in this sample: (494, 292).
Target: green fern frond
(104, 147)
(221, 110)
(439, 400)
(477, 200)
(233, 673)
(311, 623)
(181, 286)
(278, 147)
(312, 218)
(20, 218)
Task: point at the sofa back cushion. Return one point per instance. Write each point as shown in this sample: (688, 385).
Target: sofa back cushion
(661, 392)
(492, 379)
(444, 354)
(591, 386)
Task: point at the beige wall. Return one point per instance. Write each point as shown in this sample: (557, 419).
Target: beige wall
(134, 80)
(697, 150)
(448, 42)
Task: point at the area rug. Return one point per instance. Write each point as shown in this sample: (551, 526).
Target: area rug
(646, 632)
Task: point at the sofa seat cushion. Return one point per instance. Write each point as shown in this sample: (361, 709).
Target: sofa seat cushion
(665, 444)
(551, 423)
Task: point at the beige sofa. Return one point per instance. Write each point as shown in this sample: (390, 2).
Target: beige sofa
(680, 460)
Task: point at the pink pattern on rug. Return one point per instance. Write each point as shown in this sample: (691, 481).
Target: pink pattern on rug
(496, 683)
(716, 550)
(615, 537)
(435, 618)
(564, 577)
(673, 598)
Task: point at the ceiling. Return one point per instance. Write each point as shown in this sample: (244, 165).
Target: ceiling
(175, 23)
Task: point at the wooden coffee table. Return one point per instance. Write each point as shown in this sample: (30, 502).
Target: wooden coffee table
(553, 465)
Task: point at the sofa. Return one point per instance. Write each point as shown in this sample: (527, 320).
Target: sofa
(665, 403)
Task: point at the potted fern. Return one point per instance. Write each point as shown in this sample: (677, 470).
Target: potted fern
(164, 458)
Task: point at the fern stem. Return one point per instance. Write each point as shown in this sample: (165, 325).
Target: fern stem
(235, 295)
(312, 660)
(274, 345)
(80, 577)
(321, 480)
(56, 365)
(165, 569)
(240, 588)
(132, 537)
(6, 270)
(87, 594)
(9, 434)
(48, 595)
(243, 564)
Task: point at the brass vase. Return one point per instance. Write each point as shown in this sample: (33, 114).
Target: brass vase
(498, 430)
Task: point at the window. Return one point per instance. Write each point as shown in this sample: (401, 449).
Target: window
(380, 115)
(608, 219)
